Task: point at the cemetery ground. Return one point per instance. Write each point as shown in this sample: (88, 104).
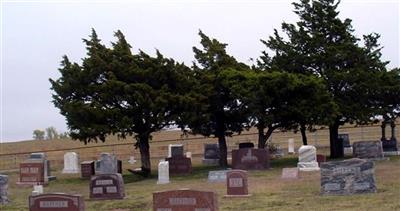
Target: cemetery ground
(269, 191)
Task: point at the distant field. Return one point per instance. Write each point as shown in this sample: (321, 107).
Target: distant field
(11, 154)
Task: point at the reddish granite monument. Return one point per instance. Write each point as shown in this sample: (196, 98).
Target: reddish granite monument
(250, 159)
(107, 186)
(56, 202)
(87, 169)
(32, 172)
(236, 183)
(185, 200)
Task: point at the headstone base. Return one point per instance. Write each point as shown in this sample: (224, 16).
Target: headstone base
(308, 166)
(237, 196)
(70, 171)
(392, 153)
(210, 161)
(162, 182)
(348, 151)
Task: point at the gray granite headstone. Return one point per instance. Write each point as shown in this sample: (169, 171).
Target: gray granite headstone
(211, 151)
(4, 189)
(217, 176)
(368, 150)
(108, 164)
(345, 138)
(353, 176)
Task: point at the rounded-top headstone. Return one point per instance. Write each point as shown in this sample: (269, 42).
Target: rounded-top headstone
(307, 153)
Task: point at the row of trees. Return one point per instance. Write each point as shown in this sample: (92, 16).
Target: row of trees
(49, 133)
(318, 75)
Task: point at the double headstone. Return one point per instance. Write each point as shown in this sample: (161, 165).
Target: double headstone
(308, 158)
(163, 172)
(347, 177)
(250, 159)
(32, 172)
(71, 163)
(40, 156)
(55, 202)
(211, 154)
(185, 200)
(4, 189)
(236, 183)
(368, 150)
(107, 186)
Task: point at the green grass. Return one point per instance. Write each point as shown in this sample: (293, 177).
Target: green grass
(268, 191)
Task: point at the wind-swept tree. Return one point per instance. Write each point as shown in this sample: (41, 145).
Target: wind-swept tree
(120, 93)
(324, 45)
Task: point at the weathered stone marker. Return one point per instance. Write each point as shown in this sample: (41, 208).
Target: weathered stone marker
(71, 163)
(4, 189)
(308, 158)
(56, 202)
(290, 173)
(353, 176)
(107, 186)
(217, 176)
(236, 184)
(368, 150)
(108, 164)
(185, 200)
(163, 172)
(250, 159)
(211, 154)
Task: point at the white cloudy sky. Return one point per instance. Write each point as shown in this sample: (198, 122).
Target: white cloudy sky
(35, 35)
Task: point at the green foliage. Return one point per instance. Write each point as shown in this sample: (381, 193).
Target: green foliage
(51, 133)
(38, 134)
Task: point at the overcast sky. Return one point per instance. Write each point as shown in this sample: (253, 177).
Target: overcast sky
(36, 34)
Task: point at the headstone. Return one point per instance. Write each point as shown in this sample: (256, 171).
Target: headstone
(163, 172)
(345, 138)
(4, 189)
(132, 160)
(217, 176)
(246, 145)
(290, 173)
(56, 202)
(108, 164)
(38, 189)
(71, 163)
(175, 150)
(348, 151)
(321, 159)
(347, 177)
(42, 157)
(185, 200)
(32, 172)
(368, 150)
(291, 146)
(250, 159)
(211, 154)
(179, 165)
(87, 169)
(107, 186)
(308, 158)
(236, 183)
(188, 155)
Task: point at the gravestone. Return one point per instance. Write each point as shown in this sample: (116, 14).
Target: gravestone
(107, 186)
(217, 176)
(368, 150)
(32, 172)
(87, 169)
(4, 189)
(236, 183)
(56, 202)
(353, 176)
(308, 158)
(41, 156)
(175, 150)
(163, 172)
(345, 138)
(290, 173)
(71, 163)
(291, 146)
(246, 145)
(37, 189)
(179, 165)
(250, 159)
(185, 200)
(211, 154)
(108, 164)
(321, 159)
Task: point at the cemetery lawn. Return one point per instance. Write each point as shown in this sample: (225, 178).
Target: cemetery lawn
(269, 192)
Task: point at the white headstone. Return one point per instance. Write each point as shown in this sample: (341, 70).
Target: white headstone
(38, 189)
(189, 154)
(291, 146)
(71, 163)
(163, 172)
(308, 158)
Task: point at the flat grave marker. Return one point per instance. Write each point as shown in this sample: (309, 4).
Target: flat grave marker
(185, 200)
(56, 202)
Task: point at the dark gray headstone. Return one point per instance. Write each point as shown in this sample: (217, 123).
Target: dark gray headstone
(368, 150)
(4, 189)
(211, 151)
(354, 176)
(345, 138)
(177, 151)
(246, 145)
(107, 164)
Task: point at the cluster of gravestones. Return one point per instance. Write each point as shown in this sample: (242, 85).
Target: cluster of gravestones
(351, 176)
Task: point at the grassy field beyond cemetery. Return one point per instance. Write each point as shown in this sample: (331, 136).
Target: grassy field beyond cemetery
(268, 191)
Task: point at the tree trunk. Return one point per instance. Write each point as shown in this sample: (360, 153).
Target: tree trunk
(261, 145)
(303, 133)
(334, 142)
(261, 137)
(393, 126)
(223, 150)
(144, 148)
(383, 127)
